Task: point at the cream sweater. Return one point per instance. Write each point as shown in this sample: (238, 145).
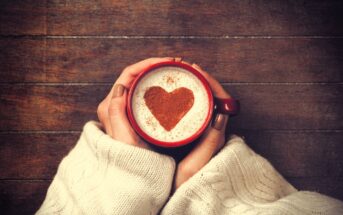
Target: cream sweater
(104, 176)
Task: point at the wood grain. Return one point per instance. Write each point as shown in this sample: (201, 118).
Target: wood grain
(167, 17)
(22, 60)
(282, 59)
(62, 107)
(330, 186)
(209, 18)
(289, 106)
(22, 196)
(23, 17)
(264, 106)
(37, 154)
(228, 60)
(293, 154)
(300, 153)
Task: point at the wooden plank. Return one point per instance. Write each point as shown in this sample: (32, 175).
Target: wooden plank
(170, 18)
(37, 107)
(214, 18)
(242, 60)
(22, 60)
(290, 106)
(264, 106)
(326, 185)
(22, 196)
(300, 153)
(33, 155)
(23, 17)
(229, 60)
(293, 154)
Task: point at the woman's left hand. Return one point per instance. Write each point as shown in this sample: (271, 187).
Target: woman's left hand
(112, 110)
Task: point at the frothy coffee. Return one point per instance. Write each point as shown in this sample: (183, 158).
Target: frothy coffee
(175, 86)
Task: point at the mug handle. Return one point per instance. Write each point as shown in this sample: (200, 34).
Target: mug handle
(229, 106)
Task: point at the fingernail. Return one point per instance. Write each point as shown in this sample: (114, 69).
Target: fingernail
(196, 66)
(178, 59)
(218, 122)
(118, 90)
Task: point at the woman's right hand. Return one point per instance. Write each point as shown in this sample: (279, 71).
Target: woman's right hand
(211, 141)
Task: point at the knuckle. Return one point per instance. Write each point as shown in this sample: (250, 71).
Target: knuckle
(127, 69)
(206, 75)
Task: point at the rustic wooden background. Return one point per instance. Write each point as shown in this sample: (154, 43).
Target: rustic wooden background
(282, 59)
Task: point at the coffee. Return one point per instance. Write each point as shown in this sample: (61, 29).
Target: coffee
(170, 104)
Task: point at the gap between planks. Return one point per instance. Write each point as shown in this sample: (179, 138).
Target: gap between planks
(25, 179)
(220, 37)
(111, 83)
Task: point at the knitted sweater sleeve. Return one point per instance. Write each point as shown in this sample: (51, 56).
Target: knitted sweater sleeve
(104, 176)
(239, 181)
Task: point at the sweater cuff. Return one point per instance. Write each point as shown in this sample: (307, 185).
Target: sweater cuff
(156, 168)
(251, 173)
(244, 166)
(236, 176)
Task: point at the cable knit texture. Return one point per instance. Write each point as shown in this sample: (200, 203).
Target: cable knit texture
(239, 181)
(104, 176)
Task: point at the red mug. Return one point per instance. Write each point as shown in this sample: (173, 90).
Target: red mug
(228, 106)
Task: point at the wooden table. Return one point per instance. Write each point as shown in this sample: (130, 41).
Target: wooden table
(282, 59)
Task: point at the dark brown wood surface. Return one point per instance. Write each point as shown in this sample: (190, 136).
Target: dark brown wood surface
(229, 60)
(264, 106)
(168, 17)
(282, 59)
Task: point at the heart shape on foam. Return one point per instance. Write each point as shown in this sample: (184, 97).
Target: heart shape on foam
(168, 108)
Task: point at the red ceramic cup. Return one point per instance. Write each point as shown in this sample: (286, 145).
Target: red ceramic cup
(226, 106)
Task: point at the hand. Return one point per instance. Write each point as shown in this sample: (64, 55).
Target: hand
(210, 143)
(112, 110)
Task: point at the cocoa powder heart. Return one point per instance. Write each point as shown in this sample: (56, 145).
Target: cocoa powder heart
(168, 108)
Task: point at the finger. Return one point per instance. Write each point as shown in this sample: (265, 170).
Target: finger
(219, 121)
(121, 128)
(130, 72)
(216, 87)
(178, 59)
(209, 144)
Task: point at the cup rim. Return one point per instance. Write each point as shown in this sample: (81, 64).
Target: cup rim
(147, 137)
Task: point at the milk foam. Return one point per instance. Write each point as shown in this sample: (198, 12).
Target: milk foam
(170, 78)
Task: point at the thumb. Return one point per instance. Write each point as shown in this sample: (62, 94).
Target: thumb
(120, 125)
(208, 146)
